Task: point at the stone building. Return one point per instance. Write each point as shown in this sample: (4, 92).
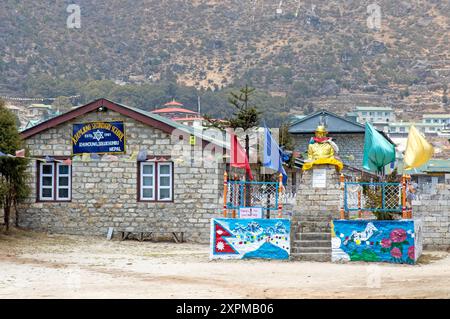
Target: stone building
(157, 181)
(348, 135)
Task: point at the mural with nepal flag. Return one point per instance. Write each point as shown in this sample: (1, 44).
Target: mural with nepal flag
(233, 238)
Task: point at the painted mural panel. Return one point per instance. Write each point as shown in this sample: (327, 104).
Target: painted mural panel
(233, 238)
(395, 241)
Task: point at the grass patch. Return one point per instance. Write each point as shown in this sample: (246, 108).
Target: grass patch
(426, 259)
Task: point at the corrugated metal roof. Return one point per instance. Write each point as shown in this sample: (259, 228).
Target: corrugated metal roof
(335, 124)
(437, 165)
(433, 166)
(191, 130)
(198, 132)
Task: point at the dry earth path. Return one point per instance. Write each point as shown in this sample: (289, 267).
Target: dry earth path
(38, 265)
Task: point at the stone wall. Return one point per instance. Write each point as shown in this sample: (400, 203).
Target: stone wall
(104, 193)
(318, 202)
(349, 144)
(434, 210)
(314, 210)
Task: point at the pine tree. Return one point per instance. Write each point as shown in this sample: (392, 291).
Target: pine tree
(247, 115)
(13, 187)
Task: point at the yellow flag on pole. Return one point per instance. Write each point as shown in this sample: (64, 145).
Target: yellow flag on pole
(86, 157)
(418, 150)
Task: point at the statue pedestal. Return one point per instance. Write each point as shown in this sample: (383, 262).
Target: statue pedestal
(319, 194)
(317, 203)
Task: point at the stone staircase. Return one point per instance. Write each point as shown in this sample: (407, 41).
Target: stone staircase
(315, 207)
(311, 240)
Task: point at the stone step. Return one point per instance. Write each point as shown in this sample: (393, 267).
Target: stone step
(322, 250)
(312, 243)
(313, 236)
(321, 223)
(313, 229)
(312, 221)
(318, 218)
(317, 214)
(311, 257)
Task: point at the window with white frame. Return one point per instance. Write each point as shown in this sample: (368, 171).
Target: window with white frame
(165, 181)
(147, 181)
(156, 181)
(62, 182)
(54, 182)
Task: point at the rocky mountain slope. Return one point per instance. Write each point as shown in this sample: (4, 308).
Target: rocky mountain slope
(312, 54)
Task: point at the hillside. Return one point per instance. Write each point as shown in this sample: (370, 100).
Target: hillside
(309, 54)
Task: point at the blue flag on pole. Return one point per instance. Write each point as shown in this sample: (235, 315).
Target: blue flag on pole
(273, 155)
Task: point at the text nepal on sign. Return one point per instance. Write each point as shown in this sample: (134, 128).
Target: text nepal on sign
(98, 137)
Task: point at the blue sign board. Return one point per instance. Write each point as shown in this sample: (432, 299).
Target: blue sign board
(98, 137)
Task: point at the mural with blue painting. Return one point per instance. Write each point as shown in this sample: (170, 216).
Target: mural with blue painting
(394, 241)
(233, 238)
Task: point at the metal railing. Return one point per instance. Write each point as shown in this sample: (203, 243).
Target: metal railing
(375, 197)
(239, 194)
(252, 194)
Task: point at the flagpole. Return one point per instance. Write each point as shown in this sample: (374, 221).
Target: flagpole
(280, 203)
(404, 213)
(225, 189)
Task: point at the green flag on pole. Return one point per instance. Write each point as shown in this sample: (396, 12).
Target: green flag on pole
(378, 151)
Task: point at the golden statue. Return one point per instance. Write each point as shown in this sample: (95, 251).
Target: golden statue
(322, 150)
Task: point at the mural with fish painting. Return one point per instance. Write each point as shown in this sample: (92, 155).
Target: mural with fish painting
(233, 238)
(394, 241)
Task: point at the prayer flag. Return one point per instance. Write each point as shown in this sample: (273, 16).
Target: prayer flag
(238, 156)
(418, 151)
(273, 155)
(378, 151)
(20, 153)
(86, 157)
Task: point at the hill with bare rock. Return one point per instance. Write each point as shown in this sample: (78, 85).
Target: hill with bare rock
(306, 54)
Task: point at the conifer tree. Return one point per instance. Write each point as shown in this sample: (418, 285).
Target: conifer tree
(13, 187)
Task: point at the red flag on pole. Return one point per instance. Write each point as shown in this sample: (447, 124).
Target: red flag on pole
(238, 156)
(20, 153)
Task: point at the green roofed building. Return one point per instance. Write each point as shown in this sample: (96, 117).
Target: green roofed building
(436, 171)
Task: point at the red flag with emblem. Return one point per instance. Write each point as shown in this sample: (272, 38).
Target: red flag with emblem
(221, 245)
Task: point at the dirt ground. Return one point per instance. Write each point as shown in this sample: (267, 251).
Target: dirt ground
(37, 265)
